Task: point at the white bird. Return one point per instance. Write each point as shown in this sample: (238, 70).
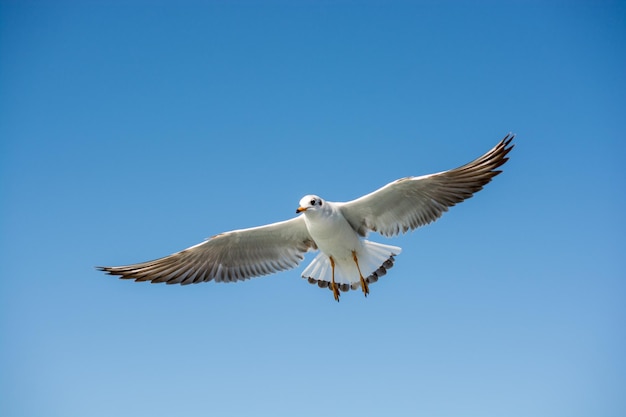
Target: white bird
(345, 260)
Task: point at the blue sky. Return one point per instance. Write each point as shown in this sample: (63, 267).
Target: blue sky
(131, 130)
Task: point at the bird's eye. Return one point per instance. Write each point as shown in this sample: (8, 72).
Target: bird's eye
(312, 202)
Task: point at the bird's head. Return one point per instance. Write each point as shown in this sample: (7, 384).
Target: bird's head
(310, 203)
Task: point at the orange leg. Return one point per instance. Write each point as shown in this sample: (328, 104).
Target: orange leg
(333, 286)
(364, 286)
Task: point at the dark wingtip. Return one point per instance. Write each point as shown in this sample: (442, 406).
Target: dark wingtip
(508, 139)
(106, 269)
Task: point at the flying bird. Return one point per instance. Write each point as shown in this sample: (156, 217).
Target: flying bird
(337, 229)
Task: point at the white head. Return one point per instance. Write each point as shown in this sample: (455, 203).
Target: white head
(310, 203)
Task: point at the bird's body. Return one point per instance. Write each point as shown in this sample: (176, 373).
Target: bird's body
(346, 260)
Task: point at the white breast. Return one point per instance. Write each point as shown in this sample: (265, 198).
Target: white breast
(332, 233)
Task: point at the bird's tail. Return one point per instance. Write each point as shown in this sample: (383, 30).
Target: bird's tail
(374, 261)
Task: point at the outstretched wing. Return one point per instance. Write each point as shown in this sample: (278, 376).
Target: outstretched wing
(411, 202)
(227, 257)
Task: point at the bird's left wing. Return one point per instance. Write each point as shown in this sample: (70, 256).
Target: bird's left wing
(411, 202)
(227, 257)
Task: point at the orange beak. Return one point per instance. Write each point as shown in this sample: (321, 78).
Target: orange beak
(300, 209)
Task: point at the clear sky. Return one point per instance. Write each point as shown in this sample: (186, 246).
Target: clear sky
(131, 130)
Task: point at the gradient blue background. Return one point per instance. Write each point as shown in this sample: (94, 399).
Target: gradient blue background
(131, 130)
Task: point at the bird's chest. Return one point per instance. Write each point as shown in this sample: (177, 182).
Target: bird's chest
(333, 235)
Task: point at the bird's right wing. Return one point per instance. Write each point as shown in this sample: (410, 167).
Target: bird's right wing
(227, 257)
(411, 202)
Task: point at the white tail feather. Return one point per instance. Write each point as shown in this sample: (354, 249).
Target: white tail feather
(374, 260)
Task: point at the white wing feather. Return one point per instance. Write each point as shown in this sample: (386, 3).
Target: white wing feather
(411, 202)
(227, 257)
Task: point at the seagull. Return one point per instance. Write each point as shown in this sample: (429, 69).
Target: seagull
(337, 229)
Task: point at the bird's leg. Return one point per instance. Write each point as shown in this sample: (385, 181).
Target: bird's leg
(364, 286)
(333, 286)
